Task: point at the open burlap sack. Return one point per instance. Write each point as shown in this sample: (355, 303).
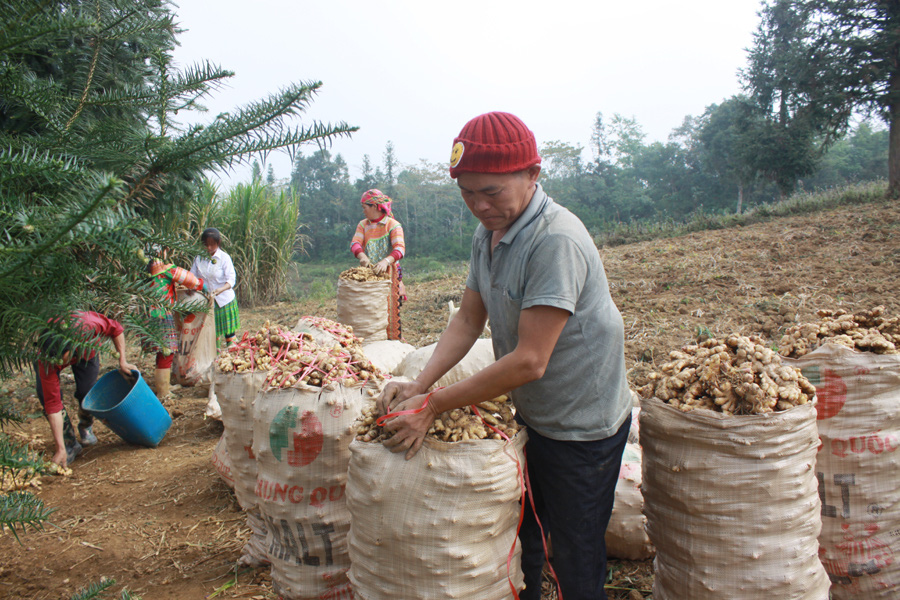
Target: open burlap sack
(387, 354)
(236, 393)
(732, 503)
(364, 306)
(196, 342)
(857, 467)
(439, 526)
(301, 439)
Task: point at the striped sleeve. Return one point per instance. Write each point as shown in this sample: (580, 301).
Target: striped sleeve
(398, 244)
(186, 278)
(359, 238)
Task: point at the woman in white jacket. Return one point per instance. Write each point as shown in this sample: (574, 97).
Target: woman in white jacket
(217, 270)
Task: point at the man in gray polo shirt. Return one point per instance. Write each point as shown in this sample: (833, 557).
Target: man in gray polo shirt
(559, 343)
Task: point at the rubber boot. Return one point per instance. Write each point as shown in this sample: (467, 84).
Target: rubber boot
(162, 380)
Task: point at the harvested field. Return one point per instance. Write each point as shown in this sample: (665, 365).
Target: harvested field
(162, 523)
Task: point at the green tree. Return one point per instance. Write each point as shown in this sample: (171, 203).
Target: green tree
(860, 156)
(91, 150)
(857, 64)
(560, 160)
(438, 222)
(795, 115)
(367, 178)
(329, 206)
(391, 168)
(617, 142)
(727, 140)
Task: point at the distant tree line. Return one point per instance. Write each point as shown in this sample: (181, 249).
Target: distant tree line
(628, 180)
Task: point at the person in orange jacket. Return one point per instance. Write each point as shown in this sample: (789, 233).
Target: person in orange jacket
(166, 277)
(379, 238)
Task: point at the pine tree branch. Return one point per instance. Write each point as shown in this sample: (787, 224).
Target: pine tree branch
(110, 186)
(87, 86)
(22, 509)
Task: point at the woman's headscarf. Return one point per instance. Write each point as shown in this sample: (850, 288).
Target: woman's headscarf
(377, 198)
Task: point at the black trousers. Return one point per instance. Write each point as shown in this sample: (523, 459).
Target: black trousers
(574, 486)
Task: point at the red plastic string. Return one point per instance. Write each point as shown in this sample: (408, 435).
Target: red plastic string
(494, 429)
(383, 418)
(521, 480)
(282, 352)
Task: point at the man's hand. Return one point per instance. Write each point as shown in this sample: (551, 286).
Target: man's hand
(409, 430)
(126, 368)
(363, 260)
(382, 265)
(396, 392)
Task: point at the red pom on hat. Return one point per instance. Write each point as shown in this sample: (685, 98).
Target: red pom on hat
(495, 142)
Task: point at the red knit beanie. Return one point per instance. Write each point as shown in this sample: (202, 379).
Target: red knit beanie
(495, 142)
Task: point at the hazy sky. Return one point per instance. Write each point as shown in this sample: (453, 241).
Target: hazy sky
(414, 71)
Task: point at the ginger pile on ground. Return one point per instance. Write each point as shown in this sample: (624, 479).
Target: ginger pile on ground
(866, 331)
(737, 376)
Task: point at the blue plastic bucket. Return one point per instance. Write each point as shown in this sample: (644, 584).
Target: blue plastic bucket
(130, 409)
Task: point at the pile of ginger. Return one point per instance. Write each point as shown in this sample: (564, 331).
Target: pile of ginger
(738, 376)
(865, 331)
(494, 420)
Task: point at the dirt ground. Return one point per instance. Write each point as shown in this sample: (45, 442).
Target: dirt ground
(163, 524)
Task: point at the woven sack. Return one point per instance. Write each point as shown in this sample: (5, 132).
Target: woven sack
(222, 462)
(387, 354)
(196, 350)
(479, 356)
(732, 503)
(301, 439)
(236, 393)
(363, 305)
(859, 428)
(439, 526)
(626, 535)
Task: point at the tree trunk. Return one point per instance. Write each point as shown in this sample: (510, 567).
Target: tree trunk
(894, 136)
(740, 203)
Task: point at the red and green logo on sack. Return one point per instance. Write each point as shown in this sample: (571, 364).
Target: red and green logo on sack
(296, 438)
(831, 391)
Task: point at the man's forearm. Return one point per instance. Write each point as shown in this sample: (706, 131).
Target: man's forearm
(539, 330)
(119, 344)
(56, 429)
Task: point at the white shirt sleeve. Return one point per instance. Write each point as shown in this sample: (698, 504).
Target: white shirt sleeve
(230, 275)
